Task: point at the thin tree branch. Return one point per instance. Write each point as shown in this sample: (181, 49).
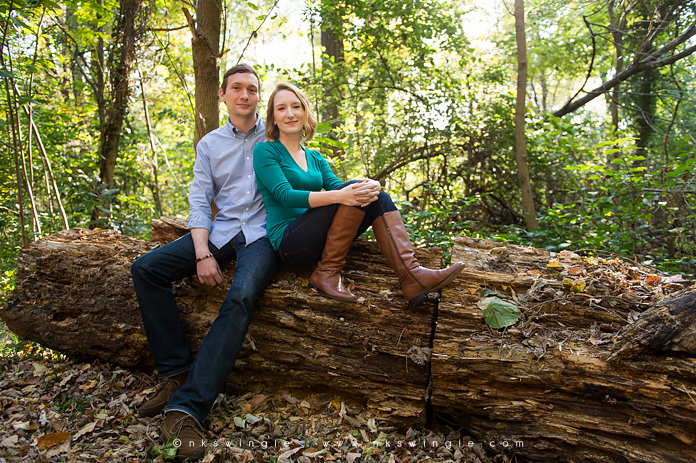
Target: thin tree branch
(651, 61)
(49, 170)
(166, 29)
(254, 34)
(153, 162)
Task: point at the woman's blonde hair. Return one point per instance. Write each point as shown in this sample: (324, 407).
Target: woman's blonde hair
(309, 123)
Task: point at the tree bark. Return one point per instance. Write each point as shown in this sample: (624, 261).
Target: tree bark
(333, 44)
(548, 386)
(124, 52)
(530, 219)
(618, 29)
(74, 293)
(606, 374)
(205, 48)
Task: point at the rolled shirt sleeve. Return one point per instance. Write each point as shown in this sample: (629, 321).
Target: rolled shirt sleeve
(201, 191)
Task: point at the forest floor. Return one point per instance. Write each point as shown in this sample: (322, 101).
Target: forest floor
(55, 409)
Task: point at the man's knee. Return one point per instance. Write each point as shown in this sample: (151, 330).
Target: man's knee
(138, 266)
(142, 267)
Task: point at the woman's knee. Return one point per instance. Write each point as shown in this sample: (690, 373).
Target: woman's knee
(350, 182)
(386, 202)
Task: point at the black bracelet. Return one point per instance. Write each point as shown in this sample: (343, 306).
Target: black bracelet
(204, 257)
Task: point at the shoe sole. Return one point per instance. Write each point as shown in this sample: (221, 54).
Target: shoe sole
(420, 297)
(310, 285)
(150, 414)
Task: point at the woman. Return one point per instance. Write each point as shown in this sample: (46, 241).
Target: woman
(313, 217)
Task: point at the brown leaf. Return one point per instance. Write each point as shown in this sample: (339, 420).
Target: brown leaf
(290, 399)
(257, 399)
(85, 429)
(49, 440)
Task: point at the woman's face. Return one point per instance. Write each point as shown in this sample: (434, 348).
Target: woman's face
(288, 113)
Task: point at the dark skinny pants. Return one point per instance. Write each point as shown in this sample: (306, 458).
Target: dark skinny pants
(305, 237)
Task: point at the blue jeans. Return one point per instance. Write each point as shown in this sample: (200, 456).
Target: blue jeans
(153, 275)
(305, 237)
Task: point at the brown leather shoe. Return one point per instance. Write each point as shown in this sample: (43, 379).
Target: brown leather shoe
(327, 276)
(187, 434)
(158, 400)
(416, 281)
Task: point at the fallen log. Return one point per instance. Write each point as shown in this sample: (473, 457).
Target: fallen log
(668, 326)
(544, 387)
(74, 294)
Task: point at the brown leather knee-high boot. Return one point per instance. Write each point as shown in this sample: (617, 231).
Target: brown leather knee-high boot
(416, 281)
(327, 276)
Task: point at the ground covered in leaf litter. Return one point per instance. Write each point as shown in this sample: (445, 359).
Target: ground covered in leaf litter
(57, 410)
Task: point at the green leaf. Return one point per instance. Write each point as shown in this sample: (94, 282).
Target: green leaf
(498, 313)
(330, 142)
(323, 127)
(167, 452)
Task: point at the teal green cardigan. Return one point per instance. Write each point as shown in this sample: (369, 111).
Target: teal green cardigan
(285, 187)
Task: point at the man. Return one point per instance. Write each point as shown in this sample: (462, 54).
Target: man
(223, 171)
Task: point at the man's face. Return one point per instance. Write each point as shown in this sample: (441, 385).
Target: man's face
(241, 95)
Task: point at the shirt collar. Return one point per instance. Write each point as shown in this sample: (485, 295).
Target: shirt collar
(254, 129)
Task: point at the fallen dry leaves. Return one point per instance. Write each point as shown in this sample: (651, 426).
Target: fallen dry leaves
(57, 410)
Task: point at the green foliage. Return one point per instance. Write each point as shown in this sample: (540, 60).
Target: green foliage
(8, 270)
(627, 207)
(17, 350)
(498, 313)
(166, 452)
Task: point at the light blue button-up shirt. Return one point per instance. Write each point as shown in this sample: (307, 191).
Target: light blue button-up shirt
(224, 170)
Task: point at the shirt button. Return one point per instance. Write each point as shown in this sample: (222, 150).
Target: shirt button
(243, 223)
(246, 209)
(248, 192)
(247, 158)
(249, 176)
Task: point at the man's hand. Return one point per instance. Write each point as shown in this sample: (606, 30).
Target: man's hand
(209, 272)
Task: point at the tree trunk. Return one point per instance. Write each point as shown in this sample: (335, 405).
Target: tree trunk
(333, 44)
(618, 28)
(124, 51)
(606, 374)
(520, 110)
(205, 48)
